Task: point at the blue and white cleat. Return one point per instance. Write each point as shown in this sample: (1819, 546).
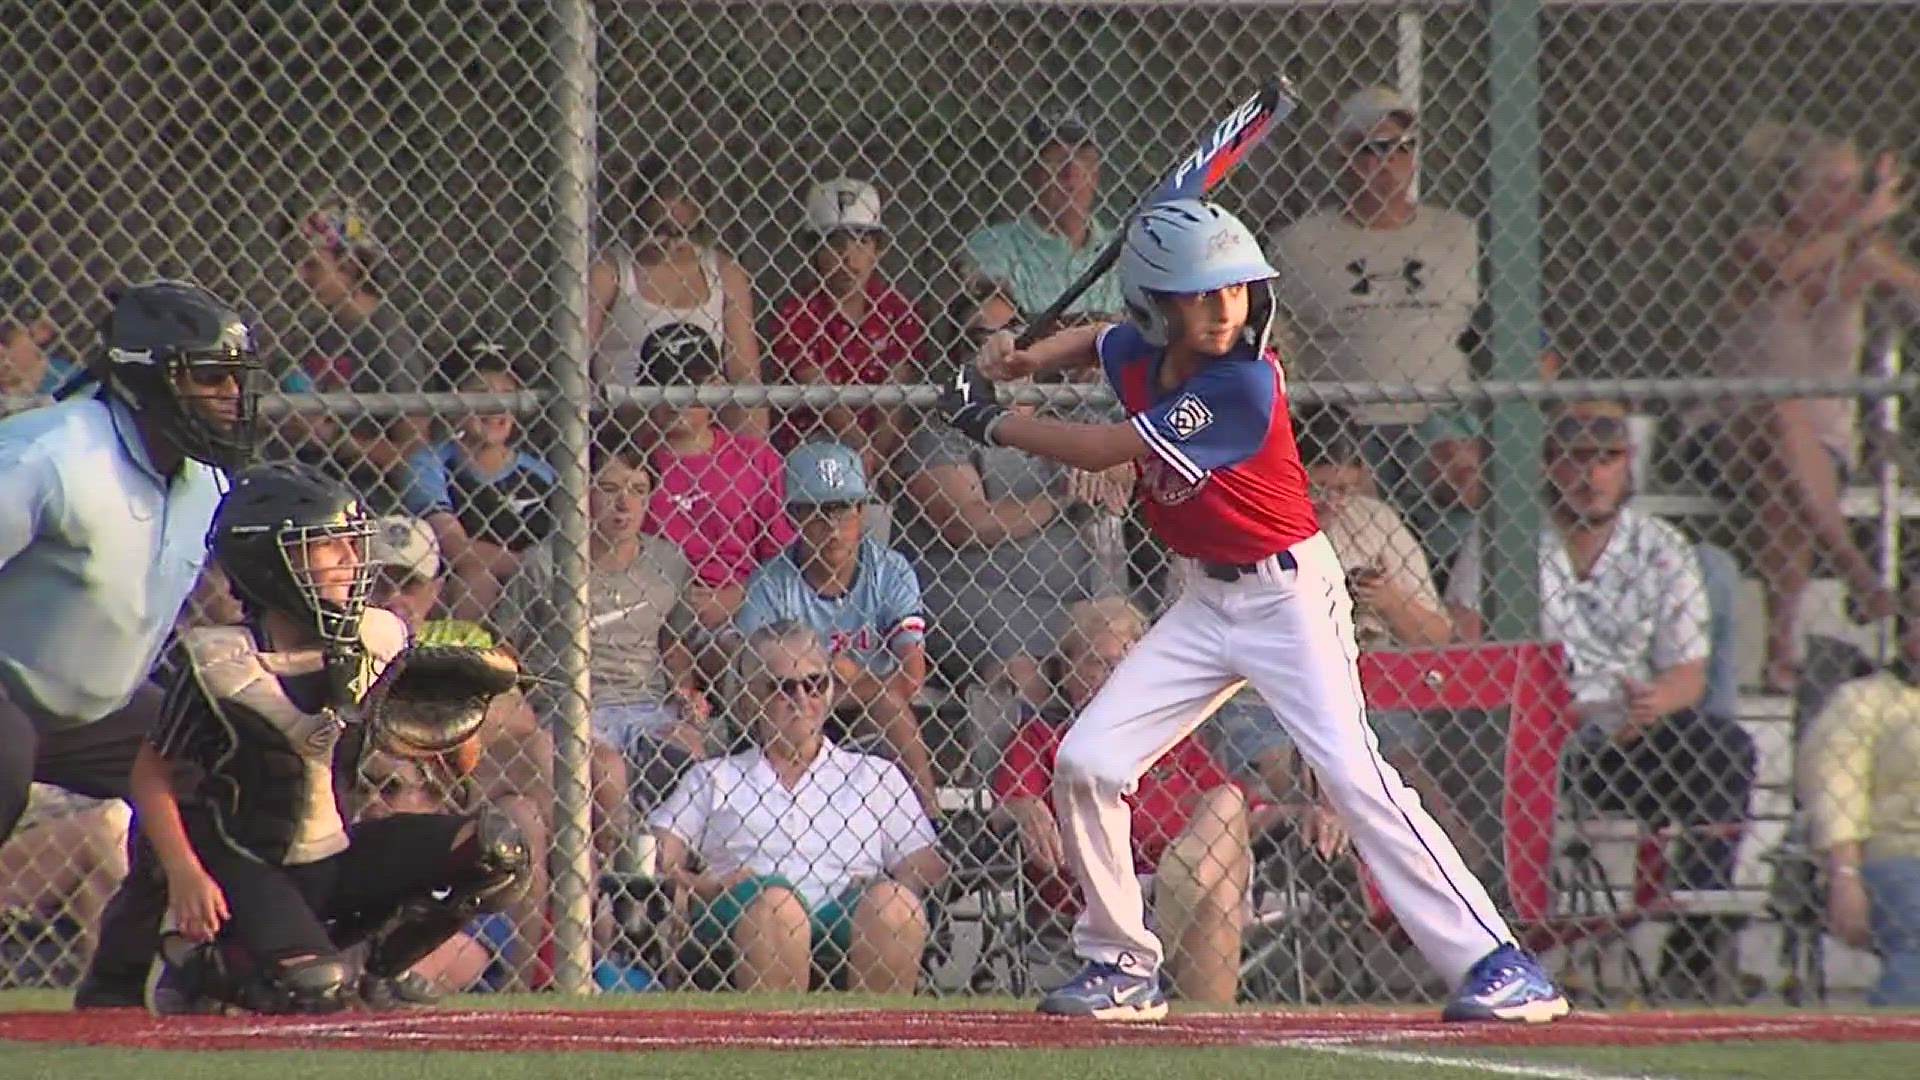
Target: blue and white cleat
(1108, 992)
(1507, 985)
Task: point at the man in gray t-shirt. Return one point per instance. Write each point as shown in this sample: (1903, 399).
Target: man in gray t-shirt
(998, 553)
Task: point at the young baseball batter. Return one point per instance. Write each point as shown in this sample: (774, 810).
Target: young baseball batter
(1266, 602)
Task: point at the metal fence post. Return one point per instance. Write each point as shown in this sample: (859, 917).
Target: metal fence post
(573, 52)
(1513, 291)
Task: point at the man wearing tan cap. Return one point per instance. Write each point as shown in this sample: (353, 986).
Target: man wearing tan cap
(1381, 290)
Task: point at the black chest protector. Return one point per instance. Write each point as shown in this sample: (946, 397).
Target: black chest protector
(272, 787)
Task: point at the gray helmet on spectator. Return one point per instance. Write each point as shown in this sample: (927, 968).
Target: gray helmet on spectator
(161, 336)
(1192, 246)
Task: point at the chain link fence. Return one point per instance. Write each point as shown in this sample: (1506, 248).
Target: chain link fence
(623, 317)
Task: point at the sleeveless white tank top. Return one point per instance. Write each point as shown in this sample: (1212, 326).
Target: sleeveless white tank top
(633, 320)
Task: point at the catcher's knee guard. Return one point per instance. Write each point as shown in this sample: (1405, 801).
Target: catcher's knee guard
(317, 984)
(496, 867)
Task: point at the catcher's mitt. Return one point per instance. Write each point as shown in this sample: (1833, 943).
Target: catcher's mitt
(432, 698)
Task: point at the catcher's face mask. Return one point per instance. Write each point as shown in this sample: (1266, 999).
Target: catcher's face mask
(329, 569)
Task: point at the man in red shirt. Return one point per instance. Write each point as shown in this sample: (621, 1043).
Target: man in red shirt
(1189, 817)
(852, 329)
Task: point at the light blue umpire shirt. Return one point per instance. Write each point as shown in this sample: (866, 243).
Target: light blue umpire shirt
(98, 552)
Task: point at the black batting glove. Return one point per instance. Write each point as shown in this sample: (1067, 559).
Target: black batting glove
(969, 406)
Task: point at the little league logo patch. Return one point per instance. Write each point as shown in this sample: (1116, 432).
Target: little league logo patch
(1188, 417)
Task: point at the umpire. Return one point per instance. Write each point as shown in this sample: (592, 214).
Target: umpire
(105, 502)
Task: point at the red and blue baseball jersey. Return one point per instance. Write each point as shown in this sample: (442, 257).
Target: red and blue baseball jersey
(1222, 480)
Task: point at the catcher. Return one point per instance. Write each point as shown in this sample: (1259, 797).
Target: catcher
(274, 904)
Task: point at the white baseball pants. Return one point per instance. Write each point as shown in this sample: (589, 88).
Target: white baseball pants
(1289, 633)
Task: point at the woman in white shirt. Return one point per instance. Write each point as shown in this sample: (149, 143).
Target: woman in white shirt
(667, 287)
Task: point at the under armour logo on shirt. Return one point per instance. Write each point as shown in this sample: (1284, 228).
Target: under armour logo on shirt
(1412, 273)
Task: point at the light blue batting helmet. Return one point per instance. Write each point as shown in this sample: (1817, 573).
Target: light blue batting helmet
(1192, 246)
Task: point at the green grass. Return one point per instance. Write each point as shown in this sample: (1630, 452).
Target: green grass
(1771, 1061)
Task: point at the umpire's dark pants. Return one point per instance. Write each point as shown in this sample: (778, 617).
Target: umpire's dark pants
(313, 909)
(93, 759)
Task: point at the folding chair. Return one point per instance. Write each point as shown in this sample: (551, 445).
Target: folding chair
(986, 886)
(1528, 681)
(1552, 908)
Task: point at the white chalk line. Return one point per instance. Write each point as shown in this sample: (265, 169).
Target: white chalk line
(1475, 1064)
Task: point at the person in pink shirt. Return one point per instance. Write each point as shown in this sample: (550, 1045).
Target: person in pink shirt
(718, 494)
(852, 328)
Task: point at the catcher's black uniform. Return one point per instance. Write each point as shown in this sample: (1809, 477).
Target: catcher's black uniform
(259, 776)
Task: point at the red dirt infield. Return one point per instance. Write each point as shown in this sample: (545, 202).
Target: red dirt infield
(664, 1030)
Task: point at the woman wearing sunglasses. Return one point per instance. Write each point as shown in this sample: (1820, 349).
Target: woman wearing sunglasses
(810, 858)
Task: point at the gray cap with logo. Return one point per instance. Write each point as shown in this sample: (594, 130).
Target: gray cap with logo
(823, 473)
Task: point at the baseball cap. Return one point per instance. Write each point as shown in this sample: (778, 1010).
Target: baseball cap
(341, 227)
(1591, 425)
(1362, 112)
(1055, 125)
(405, 543)
(844, 204)
(823, 473)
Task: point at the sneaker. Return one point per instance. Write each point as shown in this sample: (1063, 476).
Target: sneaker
(1106, 992)
(1507, 985)
(181, 980)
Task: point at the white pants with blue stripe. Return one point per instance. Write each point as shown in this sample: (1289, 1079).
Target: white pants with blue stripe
(1288, 631)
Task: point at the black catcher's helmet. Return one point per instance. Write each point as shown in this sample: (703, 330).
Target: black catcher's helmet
(163, 337)
(262, 535)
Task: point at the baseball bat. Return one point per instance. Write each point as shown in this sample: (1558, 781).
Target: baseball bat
(1196, 175)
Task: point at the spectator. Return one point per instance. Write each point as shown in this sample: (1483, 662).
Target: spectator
(1383, 289)
(64, 862)
(718, 495)
(354, 341)
(511, 764)
(1800, 276)
(1623, 593)
(667, 289)
(1035, 256)
(1189, 817)
(999, 543)
(1395, 606)
(26, 368)
(483, 492)
(859, 596)
(649, 710)
(853, 328)
(1859, 775)
(806, 852)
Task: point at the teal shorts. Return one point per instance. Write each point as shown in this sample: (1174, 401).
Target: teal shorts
(832, 922)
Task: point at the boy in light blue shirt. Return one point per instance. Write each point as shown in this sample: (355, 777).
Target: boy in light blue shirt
(860, 597)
